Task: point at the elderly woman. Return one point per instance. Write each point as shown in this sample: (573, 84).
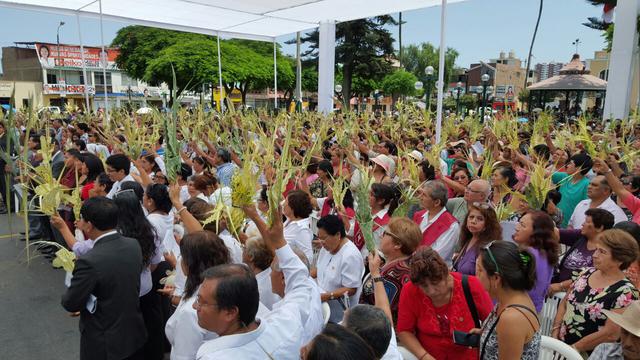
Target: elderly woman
(433, 305)
(400, 239)
(258, 257)
(580, 321)
(535, 231)
(480, 227)
(582, 245)
(339, 269)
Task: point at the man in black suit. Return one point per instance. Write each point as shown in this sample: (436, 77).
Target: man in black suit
(112, 327)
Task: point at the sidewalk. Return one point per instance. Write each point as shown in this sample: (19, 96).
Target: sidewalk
(33, 324)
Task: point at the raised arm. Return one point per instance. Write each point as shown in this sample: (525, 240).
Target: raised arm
(191, 224)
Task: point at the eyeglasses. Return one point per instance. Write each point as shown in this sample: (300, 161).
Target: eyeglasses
(198, 303)
(493, 259)
(473, 191)
(482, 205)
(387, 232)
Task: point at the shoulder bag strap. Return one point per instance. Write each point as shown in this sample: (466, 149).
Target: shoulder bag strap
(470, 303)
(486, 339)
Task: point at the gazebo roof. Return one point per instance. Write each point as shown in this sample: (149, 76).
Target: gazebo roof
(573, 76)
(580, 82)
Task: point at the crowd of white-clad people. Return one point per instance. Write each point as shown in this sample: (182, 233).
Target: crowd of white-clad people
(462, 267)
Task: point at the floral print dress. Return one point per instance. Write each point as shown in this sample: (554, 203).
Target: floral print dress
(584, 314)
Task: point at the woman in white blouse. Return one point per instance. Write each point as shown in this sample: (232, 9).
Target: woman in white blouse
(297, 229)
(200, 251)
(339, 269)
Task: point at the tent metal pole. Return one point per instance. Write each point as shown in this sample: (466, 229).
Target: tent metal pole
(275, 77)
(443, 48)
(103, 53)
(220, 75)
(84, 68)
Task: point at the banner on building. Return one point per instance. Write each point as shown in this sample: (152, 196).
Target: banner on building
(70, 56)
(505, 92)
(67, 89)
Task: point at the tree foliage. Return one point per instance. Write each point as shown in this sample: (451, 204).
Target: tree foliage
(399, 83)
(416, 58)
(364, 49)
(149, 54)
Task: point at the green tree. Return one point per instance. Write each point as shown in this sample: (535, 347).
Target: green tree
(364, 49)
(150, 54)
(399, 83)
(415, 58)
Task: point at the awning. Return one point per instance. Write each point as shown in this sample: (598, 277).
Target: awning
(249, 19)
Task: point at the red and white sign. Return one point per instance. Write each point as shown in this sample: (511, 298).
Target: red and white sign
(71, 56)
(66, 89)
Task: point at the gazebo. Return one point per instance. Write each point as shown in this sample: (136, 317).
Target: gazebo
(573, 82)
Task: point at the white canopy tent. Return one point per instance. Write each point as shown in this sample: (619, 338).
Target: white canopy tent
(248, 19)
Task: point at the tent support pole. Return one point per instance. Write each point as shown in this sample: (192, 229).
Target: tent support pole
(220, 75)
(443, 18)
(103, 60)
(87, 108)
(326, 66)
(275, 77)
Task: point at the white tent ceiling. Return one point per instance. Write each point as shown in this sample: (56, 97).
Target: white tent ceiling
(252, 19)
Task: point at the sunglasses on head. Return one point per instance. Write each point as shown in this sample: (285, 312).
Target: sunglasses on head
(482, 205)
(491, 257)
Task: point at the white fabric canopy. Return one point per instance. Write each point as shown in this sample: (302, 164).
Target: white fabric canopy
(249, 19)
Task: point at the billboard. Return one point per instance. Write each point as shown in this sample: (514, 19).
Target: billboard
(70, 56)
(67, 89)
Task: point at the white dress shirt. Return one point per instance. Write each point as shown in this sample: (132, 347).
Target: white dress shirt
(279, 334)
(445, 244)
(116, 186)
(298, 234)
(392, 351)
(267, 297)
(342, 269)
(315, 321)
(235, 249)
(184, 333)
(221, 194)
(578, 217)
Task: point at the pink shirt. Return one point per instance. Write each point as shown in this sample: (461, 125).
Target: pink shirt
(633, 204)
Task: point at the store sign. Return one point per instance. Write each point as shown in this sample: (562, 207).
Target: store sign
(505, 92)
(71, 56)
(62, 89)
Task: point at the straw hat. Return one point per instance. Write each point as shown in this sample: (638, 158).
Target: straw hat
(629, 319)
(384, 161)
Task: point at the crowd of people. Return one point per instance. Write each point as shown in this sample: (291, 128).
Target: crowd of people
(469, 236)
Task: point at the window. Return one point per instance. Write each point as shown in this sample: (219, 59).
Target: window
(100, 85)
(128, 81)
(25, 103)
(604, 74)
(52, 78)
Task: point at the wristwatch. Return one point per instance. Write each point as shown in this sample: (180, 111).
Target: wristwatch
(378, 279)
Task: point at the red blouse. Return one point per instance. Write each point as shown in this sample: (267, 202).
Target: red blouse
(434, 326)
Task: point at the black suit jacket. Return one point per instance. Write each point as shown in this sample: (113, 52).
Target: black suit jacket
(57, 164)
(110, 272)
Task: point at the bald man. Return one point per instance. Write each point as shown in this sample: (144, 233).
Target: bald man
(476, 191)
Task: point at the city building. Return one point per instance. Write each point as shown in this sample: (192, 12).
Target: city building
(58, 73)
(547, 70)
(506, 78)
(599, 66)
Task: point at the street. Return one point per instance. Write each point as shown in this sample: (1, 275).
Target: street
(33, 323)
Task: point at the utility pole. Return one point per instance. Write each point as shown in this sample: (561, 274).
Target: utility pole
(400, 38)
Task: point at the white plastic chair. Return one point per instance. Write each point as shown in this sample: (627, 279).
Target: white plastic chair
(548, 313)
(554, 349)
(326, 312)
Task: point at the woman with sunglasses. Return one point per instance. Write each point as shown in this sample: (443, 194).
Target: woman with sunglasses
(580, 321)
(479, 228)
(433, 305)
(457, 183)
(508, 272)
(400, 239)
